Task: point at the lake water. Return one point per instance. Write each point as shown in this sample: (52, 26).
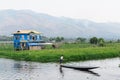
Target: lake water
(20, 70)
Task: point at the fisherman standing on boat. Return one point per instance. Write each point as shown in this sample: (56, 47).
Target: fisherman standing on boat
(61, 59)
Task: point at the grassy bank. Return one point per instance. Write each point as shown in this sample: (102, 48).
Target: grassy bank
(71, 52)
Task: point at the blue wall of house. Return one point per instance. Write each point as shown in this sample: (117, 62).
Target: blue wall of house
(26, 39)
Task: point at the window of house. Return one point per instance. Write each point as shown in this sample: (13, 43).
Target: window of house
(17, 37)
(23, 37)
(33, 37)
(28, 37)
(38, 37)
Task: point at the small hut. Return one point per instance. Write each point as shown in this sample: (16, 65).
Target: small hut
(27, 40)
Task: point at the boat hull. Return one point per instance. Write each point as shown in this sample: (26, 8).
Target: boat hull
(79, 68)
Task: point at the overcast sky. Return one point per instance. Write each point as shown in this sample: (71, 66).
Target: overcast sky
(95, 10)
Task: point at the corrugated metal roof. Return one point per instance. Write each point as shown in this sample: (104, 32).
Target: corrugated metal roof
(26, 32)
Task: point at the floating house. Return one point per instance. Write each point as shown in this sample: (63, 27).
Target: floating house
(27, 40)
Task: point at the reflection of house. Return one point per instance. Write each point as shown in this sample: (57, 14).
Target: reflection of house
(27, 40)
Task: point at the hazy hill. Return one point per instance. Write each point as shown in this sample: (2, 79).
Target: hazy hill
(50, 26)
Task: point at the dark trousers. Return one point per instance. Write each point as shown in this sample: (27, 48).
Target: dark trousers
(61, 61)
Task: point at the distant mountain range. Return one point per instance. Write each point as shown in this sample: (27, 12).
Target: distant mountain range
(51, 26)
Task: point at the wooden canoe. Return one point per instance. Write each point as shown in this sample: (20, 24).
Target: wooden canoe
(79, 68)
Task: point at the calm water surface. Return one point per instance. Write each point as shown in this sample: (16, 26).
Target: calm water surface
(21, 70)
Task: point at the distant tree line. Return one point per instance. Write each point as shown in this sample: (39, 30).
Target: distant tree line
(6, 38)
(99, 41)
(92, 40)
(81, 40)
(56, 39)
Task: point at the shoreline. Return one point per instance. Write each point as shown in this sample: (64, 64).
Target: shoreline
(70, 55)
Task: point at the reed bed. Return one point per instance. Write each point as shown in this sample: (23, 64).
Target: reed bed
(71, 52)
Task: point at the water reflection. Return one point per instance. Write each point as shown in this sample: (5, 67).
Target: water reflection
(24, 65)
(20, 67)
(91, 72)
(61, 71)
